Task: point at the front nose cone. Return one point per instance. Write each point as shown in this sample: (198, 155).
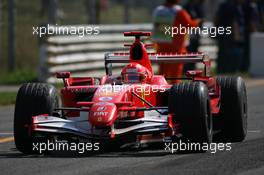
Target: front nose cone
(103, 114)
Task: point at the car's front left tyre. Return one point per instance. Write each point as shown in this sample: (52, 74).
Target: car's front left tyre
(189, 102)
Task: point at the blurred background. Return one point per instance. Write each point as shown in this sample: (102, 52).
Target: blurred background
(28, 13)
(25, 57)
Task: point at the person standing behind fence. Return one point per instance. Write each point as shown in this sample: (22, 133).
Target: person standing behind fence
(231, 47)
(172, 15)
(253, 24)
(261, 12)
(196, 10)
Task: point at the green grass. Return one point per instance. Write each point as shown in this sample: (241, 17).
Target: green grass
(7, 98)
(18, 76)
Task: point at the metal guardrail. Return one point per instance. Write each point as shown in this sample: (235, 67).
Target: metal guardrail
(84, 56)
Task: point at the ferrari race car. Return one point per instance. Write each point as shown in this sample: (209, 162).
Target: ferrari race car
(135, 106)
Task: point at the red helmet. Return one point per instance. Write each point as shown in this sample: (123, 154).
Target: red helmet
(135, 73)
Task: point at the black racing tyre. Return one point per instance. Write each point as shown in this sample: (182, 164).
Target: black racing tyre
(190, 104)
(32, 99)
(233, 109)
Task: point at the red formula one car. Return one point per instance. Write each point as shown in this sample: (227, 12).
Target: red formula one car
(134, 106)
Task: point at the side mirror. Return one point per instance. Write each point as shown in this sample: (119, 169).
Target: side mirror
(63, 75)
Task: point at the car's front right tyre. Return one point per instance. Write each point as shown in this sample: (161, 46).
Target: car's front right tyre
(32, 99)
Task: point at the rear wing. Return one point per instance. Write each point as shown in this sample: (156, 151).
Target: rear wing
(111, 58)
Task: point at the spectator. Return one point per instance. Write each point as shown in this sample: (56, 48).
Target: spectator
(195, 9)
(173, 15)
(261, 13)
(252, 24)
(231, 14)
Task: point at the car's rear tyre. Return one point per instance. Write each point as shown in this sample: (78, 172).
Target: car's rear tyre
(233, 109)
(32, 99)
(190, 104)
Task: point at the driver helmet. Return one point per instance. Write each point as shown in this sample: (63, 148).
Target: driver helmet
(135, 73)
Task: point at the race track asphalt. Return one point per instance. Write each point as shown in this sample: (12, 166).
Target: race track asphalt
(245, 158)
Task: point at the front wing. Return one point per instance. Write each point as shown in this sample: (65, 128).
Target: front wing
(80, 126)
